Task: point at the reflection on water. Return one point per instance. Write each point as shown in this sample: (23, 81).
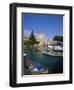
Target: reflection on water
(54, 64)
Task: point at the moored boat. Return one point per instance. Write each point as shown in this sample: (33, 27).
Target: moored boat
(53, 53)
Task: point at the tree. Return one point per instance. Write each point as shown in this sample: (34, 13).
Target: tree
(27, 43)
(58, 38)
(32, 40)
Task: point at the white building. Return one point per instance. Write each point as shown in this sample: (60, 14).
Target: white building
(41, 39)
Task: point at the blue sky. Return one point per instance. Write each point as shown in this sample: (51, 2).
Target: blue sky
(51, 25)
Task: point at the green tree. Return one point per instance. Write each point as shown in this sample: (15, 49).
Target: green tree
(32, 40)
(58, 38)
(27, 43)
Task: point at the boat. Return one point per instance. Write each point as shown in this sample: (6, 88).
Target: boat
(53, 53)
(39, 69)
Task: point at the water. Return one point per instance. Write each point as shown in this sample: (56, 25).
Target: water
(54, 64)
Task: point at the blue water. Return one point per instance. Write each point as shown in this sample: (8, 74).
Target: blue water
(54, 64)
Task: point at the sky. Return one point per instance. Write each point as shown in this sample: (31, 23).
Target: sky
(51, 25)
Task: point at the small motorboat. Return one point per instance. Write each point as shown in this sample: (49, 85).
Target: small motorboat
(53, 53)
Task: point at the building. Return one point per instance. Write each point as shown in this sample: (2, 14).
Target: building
(41, 39)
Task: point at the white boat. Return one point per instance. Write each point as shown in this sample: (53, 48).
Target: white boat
(53, 53)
